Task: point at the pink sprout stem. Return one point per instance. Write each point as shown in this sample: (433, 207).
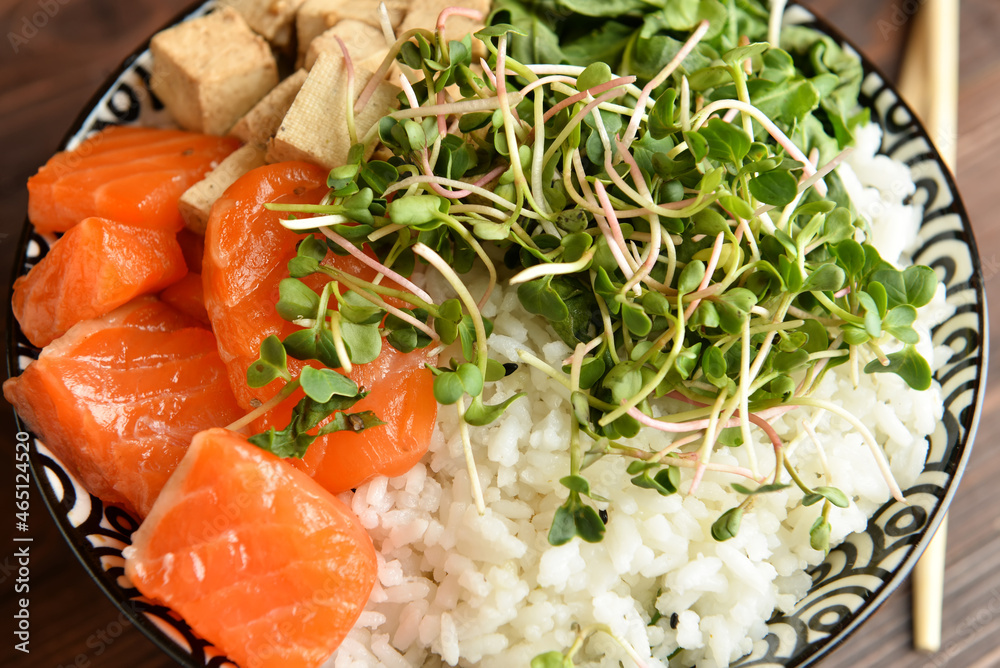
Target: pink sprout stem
(698, 425)
(612, 230)
(402, 281)
(582, 95)
(448, 12)
(488, 72)
(633, 124)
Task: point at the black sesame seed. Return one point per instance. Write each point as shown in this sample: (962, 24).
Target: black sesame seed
(604, 515)
(509, 368)
(674, 620)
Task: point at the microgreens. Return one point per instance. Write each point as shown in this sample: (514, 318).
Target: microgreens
(679, 226)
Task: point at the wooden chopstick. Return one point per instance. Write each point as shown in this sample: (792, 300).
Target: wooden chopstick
(929, 82)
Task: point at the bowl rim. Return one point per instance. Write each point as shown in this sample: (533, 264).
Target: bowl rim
(816, 650)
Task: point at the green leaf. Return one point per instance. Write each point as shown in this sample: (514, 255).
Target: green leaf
(873, 323)
(825, 278)
(854, 335)
(819, 535)
(908, 364)
(593, 75)
(624, 381)
(563, 528)
(777, 187)
(553, 659)
(415, 209)
(713, 363)
(920, 284)
(340, 177)
(877, 292)
(448, 388)
(697, 145)
(271, 365)
(321, 384)
(379, 175)
(851, 256)
(540, 298)
(739, 54)
(363, 342)
(498, 30)
(834, 496)
(691, 277)
(763, 489)
(296, 300)
(899, 321)
(576, 483)
(472, 379)
(636, 320)
(728, 525)
(895, 287)
(665, 483)
(494, 371)
(355, 308)
(589, 525)
(353, 422)
(726, 142)
(785, 362)
(479, 414)
(778, 66)
(662, 122)
(737, 207)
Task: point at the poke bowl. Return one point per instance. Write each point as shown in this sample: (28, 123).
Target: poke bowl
(855, 577)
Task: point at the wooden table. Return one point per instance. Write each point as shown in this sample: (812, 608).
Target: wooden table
(49, 71)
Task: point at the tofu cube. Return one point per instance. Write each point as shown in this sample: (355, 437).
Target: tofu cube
(315, 128)
(274, 20)
(317, 16)
(211, 70)
(365, 43)
(260, 123)
(196, 202)
(424, 14)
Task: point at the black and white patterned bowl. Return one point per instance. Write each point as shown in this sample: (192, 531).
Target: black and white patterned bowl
(848, 586)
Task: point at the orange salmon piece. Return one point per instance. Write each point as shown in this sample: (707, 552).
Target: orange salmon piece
(91, 270)
(118, 398)
(246, 257)
(187, 296)
(132, 175)
(254, 555)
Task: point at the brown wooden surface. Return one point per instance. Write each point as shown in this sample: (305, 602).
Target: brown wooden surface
(53, 74)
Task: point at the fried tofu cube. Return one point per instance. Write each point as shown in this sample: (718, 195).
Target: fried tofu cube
(365, 43)
(315, 128)
(260, 123)
(211, 70)
(196, 203)
(424, 14)
(317, 16)
(274, 20)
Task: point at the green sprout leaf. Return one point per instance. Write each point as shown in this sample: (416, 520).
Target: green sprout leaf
(321, 384)
(908, 364)
(271, 365)
(728, 525)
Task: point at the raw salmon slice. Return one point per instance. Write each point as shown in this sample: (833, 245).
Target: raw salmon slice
(246, 256)
(91, 270)
(132, 175)
(118, 398)
(254, 555)
(187, 296)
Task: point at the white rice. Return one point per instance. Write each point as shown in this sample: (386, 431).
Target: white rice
(460, 589)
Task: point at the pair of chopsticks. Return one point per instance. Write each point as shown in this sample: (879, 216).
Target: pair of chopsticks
(929, 83)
